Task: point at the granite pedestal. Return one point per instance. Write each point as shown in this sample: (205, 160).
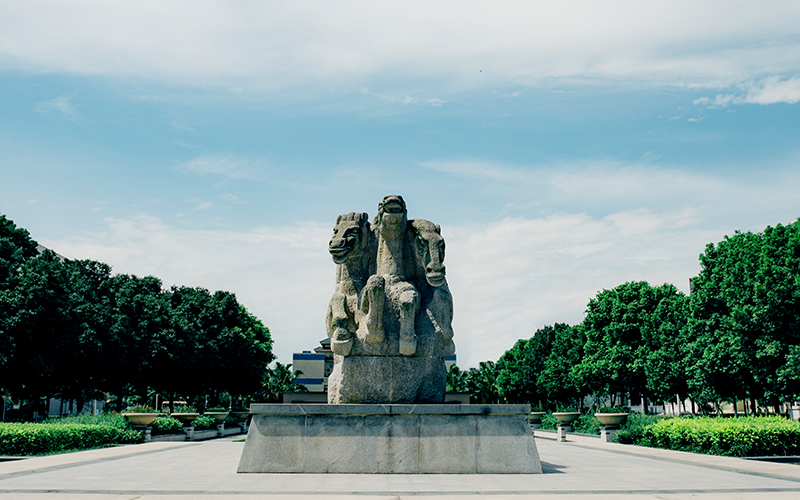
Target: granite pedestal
(390, 438)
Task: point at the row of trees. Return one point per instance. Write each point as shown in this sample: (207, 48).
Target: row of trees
(70, 328)
(735, 337)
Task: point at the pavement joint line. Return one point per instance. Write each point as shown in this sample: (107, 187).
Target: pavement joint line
(403, 493)
(69, 465)
(698, 463)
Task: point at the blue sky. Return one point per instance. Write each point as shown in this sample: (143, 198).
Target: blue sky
(563, 148)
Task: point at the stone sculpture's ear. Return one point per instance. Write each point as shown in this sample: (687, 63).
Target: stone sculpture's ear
(338, 219)
(438, 229)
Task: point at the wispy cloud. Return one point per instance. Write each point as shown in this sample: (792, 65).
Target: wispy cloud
(605, 186)
(61, 105)
(770, 90)
(228, 166)
(200, 204)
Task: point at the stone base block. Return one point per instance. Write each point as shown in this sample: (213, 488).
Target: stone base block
(404, 380)
(381, 439)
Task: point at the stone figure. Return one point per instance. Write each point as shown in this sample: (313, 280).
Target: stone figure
(390, 317)
(352, 248)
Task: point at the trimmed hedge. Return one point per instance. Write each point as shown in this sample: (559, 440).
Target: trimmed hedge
(166, 424)
(203, 422)
(40, 438)
(736, 437)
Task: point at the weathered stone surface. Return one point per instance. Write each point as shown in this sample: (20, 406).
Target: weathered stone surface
(387, 379)
(354, 438)
(391, 301)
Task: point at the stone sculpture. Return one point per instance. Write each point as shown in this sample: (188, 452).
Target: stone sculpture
(390, 317)
(389, 321)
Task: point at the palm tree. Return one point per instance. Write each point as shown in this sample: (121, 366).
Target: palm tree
(456, 379)
(281, 379)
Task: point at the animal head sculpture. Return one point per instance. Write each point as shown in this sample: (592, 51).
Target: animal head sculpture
(429, 250)
(349, 237)
(392, 215)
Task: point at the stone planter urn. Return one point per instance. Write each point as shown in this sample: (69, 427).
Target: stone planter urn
(611, 419)
(566, 417)
(240, 414)
(185, 418)
(535, 417)
(219, 416)
(140, 418)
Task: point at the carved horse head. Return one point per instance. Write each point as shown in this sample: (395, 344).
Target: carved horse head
(349, 236)
(392, 216)
(429, 250)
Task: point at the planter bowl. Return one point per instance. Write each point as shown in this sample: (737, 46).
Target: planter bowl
(219, 416)
(140, 418)
(611, 418)
(185, 418)
(240, 415)
(535, 417)
(566, 417)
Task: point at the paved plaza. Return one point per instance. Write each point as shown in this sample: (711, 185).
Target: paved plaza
(174, 470)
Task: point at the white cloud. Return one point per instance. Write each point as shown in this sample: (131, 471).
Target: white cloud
(465, 44)
(61, 105)
(770, 90)
(774, 90)
(200, 204)
(226, 165)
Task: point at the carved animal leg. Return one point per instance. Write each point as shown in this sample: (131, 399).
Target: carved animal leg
(338, 323)
(371, 326)
(409, 304)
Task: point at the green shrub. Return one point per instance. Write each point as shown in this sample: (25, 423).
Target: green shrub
(203, 422)
(139, 409)
(587, 424)
(47, 437)
(737, 437)
(185, 409)
(612, 409)
(632, 430)
(230, 421)
(216, 409)
(549, 421)
(164, 424)
(110, 419)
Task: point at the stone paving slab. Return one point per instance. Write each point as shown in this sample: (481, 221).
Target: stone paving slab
(161, 471)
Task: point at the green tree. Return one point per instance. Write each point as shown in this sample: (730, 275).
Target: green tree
(664, 356)
(745, 318)
(518, 369)
(559, 380)
(630, 341)
(16, 247)
(128, 349)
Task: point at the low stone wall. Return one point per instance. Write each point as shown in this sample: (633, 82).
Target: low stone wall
(360, 438)
(199, 435)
